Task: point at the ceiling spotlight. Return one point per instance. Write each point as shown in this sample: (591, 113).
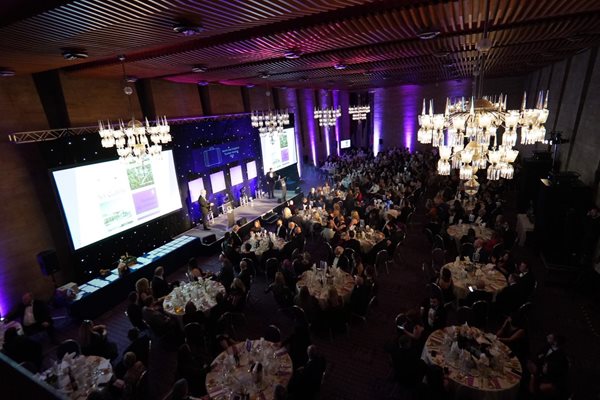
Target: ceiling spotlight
(5, 73)
(484, 45)
(199, 68)
(250, 85)
(74, 54)
(340, 66)
(185, 28)
(131, 79)
(448, 64)
(202, 83)
(368, 73)
(441, 54)
(427, 34)
(264, 75)
(304, 79)
(292, 54)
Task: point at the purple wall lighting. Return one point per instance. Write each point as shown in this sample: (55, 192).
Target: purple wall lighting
(292, 104)
(336, 104)
(326, 129)
(309, 107)
(378, 110)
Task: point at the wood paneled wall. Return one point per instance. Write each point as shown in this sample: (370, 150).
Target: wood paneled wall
(174, 99)
(21, 106)
(225, 99)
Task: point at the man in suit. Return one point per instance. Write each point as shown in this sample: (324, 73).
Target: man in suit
(204, 209)
(479, 254)
(509, 298)
(270, 180)
(236, 239)
(160, 287)
(283, 188)
(245, 275)
(434, 314)
(280, 230)
(34, 316)
(352, 242)
(298, 238)
(339, 259)
(526, 280)
(307, 379)
(226, 274)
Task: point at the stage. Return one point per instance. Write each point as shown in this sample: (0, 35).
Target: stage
(251, 212)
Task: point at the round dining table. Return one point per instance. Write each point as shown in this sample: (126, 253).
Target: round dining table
(76, 376)
(203, 293)
(318, 282)
(465, 274)
(259, 243)
(233, 371)
(477, 364)
(457, 231)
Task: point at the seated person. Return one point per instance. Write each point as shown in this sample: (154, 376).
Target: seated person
(192, 314)
(513, 333)
(433, 314)
(143, 290)
(550, 380)
(509, 298)
(237, 294)
(360, 297)
(339, 260)
(245, 274)
(226, 274)
(134, 312)
(282, 294)
(133, 371)
(159, 322)
(160, 287)
(280, 229)
(308, 303)
(34, 316)
(446, 283)
(469, 237)
(93, 340)
(306, 381)
(480, 255)
(22, 349)
(257, 228)
(195, 272)
(139, 345)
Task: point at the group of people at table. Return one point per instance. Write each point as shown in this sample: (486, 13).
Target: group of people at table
(361, 212)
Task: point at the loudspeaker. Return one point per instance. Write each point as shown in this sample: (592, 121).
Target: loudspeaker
(209, 239)
(48, 261)
(242, 221)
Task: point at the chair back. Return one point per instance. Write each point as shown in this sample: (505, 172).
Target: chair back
(400, 320)
(438, 241)
(251, 266)
(194, 333)
(271, 268)
(381, 260)
(436, 291)
(525, 311)
(480, 313)
(66, 347)
(141, 387)
(498, 250)
(429, 235)
(464, 315)
(273, 334)
(438, 259)
(467, 249)
(329, 251)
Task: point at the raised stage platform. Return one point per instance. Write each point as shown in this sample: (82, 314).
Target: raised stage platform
(251, 212)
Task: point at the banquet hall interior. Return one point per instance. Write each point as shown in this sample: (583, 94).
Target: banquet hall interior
(299, 199)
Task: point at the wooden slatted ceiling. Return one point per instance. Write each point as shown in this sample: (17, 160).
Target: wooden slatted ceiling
(244, 37)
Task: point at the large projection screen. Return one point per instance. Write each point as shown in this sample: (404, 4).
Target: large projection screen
(103, 199)
(279, 153)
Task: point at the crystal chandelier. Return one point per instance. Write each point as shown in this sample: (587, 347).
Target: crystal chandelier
(270, 123)
(359, 113)
(134, 141)
(480, 134)
(327, 116)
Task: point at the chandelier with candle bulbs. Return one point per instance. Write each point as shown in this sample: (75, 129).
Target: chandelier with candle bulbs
(327, 116)
(478, 134)
(270, 123)
(359, 113)
(134, 141)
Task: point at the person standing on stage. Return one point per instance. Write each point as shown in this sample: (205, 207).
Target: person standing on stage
(204, 208)
(283, 188)
(271, 182)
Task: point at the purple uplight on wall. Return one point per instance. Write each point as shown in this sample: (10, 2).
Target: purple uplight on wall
(336, 104)
(309, 107)
(378, 110)
(326, 129)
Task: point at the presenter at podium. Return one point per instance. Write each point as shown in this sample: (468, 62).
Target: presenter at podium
(270, 180)
(204, 208)
(283, 188)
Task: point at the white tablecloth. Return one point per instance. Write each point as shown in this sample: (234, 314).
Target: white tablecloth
(202, 292)
(260, 244)
(342, 281)
(87, 372)
(226, 377)
(495, 382)
(464, 277)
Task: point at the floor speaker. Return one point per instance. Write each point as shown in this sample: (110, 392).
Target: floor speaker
(209, 239)
(48, 261)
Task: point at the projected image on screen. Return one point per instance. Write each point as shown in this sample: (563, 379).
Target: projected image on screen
(344, 144)
(103, 199)
(251, 169)
(279, 153)
(195, 187)
(236, 175)
(217, 181)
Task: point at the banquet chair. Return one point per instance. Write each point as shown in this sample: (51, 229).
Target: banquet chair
(438, 259)
(272, 334)
(498, 250)
(429, 274)
(409, 220)
(435, 291)
(382, 259)
(438, 242)
(525, 311)
(429, 235)
(195, 336)
(400, 320)
(329, 249)
(316, 230)
(229, 322)
(141, 391)
(480, 314)
(350, 254)
(466, 250)
(271, 268)
(464, 315)
(363, 317)
(66, 347)
(397, 251)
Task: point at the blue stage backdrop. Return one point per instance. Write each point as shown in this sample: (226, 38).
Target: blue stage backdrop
(207, 147)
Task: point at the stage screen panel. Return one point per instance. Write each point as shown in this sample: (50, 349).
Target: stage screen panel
(251, 169)
(217, 181)
(195, 187)
(236, 175)
(344, 144)
(103, 199)
(279, 153)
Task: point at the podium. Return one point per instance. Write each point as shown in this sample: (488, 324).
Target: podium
(228, 209)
